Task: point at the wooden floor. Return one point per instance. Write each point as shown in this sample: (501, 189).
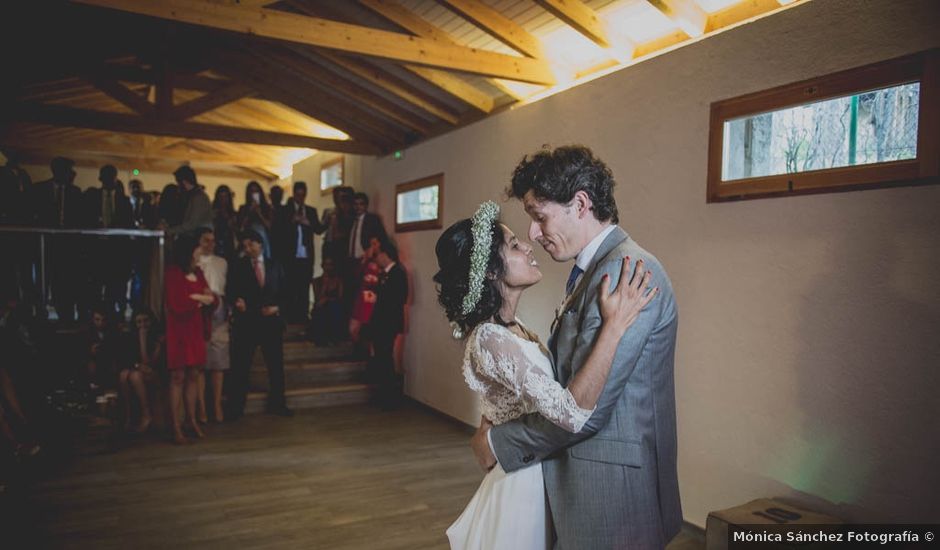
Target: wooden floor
(337, 478)
(345, 477)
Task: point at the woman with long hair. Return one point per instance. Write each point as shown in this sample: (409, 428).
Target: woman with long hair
(224, 222)
(187, 293)
(483, 271)
(257, 214)
(215, 270)
(144, 353)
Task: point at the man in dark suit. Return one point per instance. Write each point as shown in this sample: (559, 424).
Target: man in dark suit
(366, 226)
(15, 183)
(258, 289)
(143, 215)
(387, 325)
(338, 221)
(57, 204)
(296, 224)
(107, 207)
(109, 266)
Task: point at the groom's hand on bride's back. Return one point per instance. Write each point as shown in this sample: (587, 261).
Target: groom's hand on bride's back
(620, 308)
(481, 445)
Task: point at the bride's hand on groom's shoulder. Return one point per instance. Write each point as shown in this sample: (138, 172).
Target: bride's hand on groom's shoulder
(620, 308)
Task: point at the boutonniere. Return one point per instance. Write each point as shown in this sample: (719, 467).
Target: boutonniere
(559, 311)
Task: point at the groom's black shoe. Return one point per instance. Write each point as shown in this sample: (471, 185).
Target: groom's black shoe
(280, 411)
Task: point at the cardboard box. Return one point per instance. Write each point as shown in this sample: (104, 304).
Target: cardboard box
(762, 511)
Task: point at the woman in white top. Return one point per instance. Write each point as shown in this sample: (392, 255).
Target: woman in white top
(215, 270)
(484, 270)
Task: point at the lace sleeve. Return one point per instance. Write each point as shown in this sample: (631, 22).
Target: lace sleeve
(506, 359)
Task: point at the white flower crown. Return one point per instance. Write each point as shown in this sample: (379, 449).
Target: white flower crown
(480, 254)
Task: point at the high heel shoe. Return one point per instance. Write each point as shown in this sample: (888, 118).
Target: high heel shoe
(193, 428)
(143, 425)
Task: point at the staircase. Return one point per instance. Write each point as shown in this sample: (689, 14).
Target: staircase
(314, 377)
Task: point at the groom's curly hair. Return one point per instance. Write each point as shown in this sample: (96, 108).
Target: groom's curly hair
(453, 250)
(557, 174)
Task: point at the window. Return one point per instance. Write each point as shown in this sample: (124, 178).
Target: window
(874, 126)
(419, 204)
(331, 175)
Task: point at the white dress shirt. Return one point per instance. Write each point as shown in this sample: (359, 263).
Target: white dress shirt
(355, 244)
(214, 269)
(301, 247)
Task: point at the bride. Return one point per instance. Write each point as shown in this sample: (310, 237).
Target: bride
(483, 270)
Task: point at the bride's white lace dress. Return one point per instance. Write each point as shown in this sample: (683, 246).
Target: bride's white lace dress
(513, 376)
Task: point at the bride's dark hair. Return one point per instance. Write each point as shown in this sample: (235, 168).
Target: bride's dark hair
(453, 249)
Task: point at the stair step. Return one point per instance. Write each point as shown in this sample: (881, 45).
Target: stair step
(314, 397)
(310, 373)
(306, 351)
(293, 333)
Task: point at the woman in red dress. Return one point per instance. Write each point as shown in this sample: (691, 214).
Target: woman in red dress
(187, 293)
(364, 302)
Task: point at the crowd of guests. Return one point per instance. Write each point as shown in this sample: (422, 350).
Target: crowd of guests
(234, 279)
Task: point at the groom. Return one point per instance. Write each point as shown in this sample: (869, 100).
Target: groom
(614, 484)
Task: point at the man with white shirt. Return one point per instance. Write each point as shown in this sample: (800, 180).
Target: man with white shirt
(614, 484)
(297, 223)
(366, 226)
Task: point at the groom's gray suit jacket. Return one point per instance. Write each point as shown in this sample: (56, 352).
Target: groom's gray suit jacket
(614, 484)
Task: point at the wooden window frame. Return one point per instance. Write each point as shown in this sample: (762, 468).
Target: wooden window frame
(429, 181)
(342, 174)
(923, 67)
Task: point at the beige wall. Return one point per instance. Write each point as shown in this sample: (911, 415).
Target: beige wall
(808, 360)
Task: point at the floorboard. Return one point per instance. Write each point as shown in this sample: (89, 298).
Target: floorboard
(340, 478)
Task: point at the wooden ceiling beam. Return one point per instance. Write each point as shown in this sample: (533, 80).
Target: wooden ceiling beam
(265, 115)
(123, 95)
(381, 78)
(579, 16)
(129, 73)
(442, 79)
(320, 74)
(661, 43)
(498, 26)
(260, 172)
(311, 101)
(324, 33)
(446, 81)
(211, 101)
(262, 155)
(411, 22)
(741, 11)
(407, 20)
(455, 86)
(688, 15)
(115, 122)
(164, 90)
